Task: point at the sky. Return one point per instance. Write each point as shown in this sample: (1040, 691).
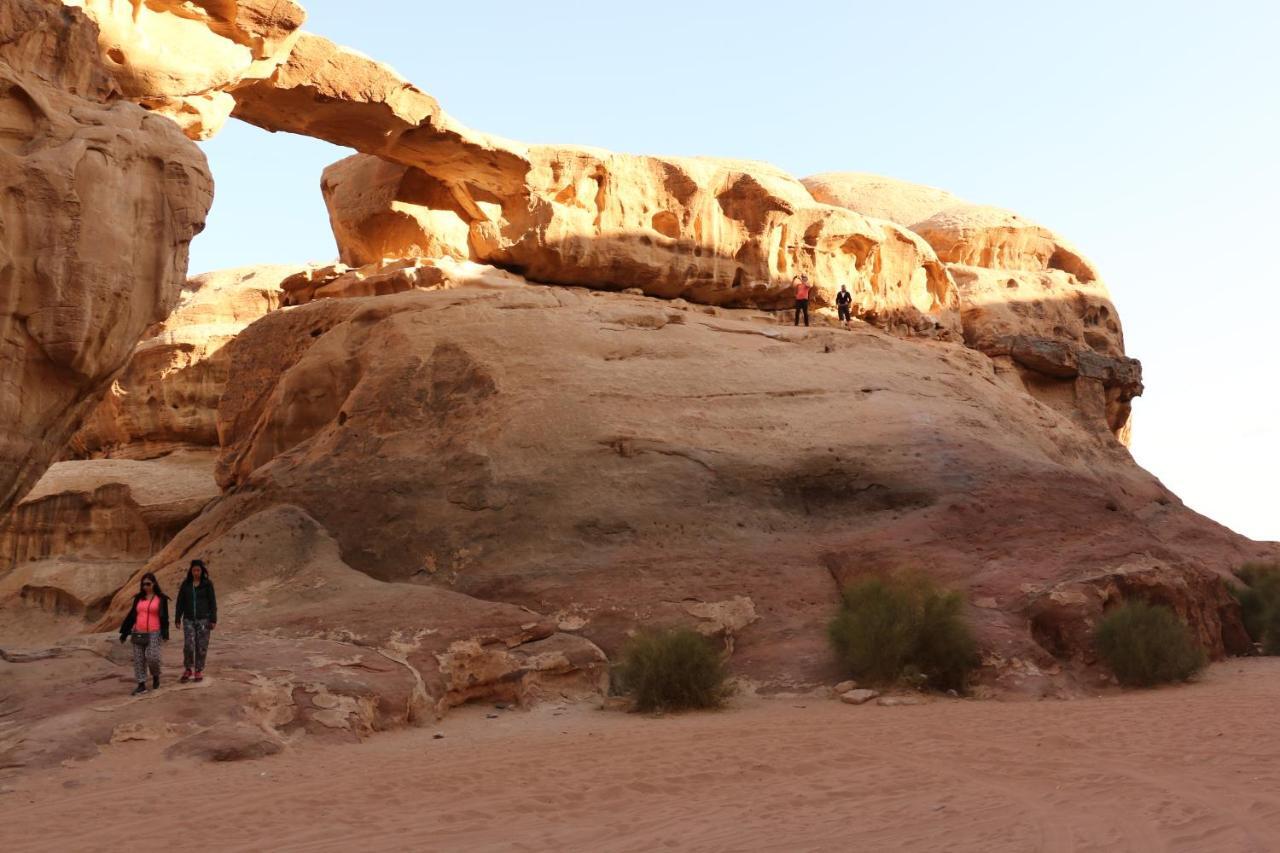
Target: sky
(1148, 133)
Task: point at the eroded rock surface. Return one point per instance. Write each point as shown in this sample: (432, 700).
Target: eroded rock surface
(99, 203)
(167, 397)
(182, 58)
(616, 461)
(1028, 297)
(711, 231)
(85, 529)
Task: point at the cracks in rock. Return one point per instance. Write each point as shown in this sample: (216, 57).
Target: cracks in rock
(771, 334)
(397, 651)
(628, 448)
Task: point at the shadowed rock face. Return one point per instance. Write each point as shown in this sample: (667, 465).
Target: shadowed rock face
(612, 461)
(98, 204)
(167, 397)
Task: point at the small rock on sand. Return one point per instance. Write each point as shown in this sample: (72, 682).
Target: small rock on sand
(858, 697)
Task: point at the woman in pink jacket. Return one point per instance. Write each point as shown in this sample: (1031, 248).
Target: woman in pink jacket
(147, 622)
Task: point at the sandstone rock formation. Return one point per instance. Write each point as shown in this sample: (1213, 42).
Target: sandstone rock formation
(603, 458)
(882, 198)
(1031, 301)
(712, 231)
(98, 207)
(721, 232)
(1028, 298)
(537, 405)
(379, 209)
(85, 529)
(306, 645)
(167, 397)
(182, 59)
(382, 278)
(55, 44)
(344, 97)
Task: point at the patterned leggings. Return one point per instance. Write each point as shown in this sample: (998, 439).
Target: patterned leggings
(195, 643)
(146, 655)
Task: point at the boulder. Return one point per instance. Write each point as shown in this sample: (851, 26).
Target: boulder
(99, 204)
(379, 209)
(859, 697)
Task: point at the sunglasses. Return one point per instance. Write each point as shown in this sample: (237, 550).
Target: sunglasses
(147, 583)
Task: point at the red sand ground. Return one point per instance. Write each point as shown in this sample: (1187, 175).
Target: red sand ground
(1187, 768)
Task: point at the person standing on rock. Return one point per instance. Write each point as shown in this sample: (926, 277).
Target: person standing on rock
(801, 284)
(147, 623)
(198, 606)
(844, 305)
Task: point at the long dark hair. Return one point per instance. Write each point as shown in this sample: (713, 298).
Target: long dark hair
(204, 574)
(155, 586)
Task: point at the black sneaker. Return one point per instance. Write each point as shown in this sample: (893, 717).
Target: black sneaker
(141, 688)
(155, 682)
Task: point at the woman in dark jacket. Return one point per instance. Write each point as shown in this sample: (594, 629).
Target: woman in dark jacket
(147, 622)
(198, 605)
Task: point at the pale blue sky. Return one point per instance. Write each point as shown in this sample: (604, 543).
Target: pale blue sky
(1147, 132)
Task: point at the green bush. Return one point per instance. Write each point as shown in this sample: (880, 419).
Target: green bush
(1271, 632)
(1260, 603)
(671, 671)
(1147, 644)
(904, 628)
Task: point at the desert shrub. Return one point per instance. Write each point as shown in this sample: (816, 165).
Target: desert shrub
(904, 628)
(1259, 599)
(672, 670)
(1146, 644)
(1271, 632)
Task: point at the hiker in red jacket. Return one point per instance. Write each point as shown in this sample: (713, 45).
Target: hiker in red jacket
(801, 284)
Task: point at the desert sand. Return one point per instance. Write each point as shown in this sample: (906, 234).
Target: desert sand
(1186, 768)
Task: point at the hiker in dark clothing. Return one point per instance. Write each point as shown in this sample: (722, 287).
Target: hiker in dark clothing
(801, 283)
(147, 622)
(198, 605)
(844, 305)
